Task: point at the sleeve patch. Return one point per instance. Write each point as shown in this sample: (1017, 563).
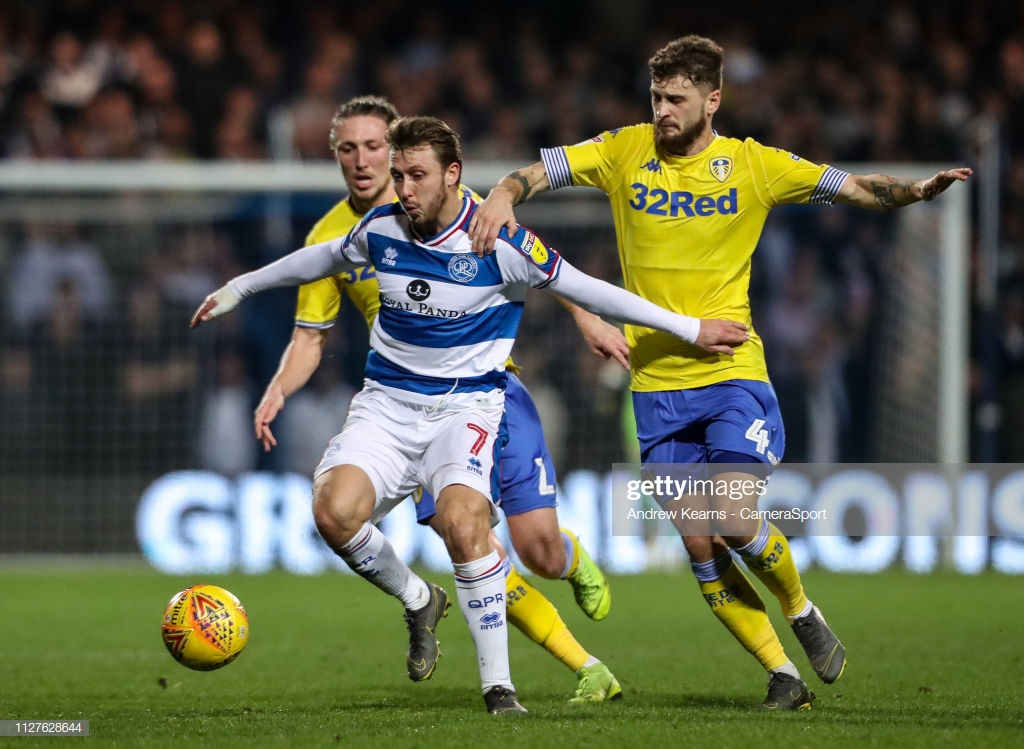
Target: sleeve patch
(531, 246)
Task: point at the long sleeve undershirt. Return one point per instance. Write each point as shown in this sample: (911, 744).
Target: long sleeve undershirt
(321, 260)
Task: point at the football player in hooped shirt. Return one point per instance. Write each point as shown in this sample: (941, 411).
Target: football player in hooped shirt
(527, 478)
(430, 413)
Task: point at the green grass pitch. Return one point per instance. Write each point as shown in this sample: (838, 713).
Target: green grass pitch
(934, 660)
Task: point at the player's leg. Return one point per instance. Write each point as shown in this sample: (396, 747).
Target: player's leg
(737, 605)
(464, 519)
(553, 552)
(538, 541)
(347, 486)
(533, 614)
(457, 467)
(768, 556)
(527, 476)
(668, 445)
(748, 434)
(537, 618)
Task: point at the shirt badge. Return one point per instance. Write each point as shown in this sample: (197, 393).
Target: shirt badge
(721, 167)
(463, 268)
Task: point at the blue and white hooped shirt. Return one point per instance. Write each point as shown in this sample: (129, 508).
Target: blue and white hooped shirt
(448, 318)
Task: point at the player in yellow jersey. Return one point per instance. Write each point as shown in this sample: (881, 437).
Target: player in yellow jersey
(357, 141)
(689, 206)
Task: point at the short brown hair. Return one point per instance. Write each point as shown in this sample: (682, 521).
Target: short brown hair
(374, 106)
(695, 57)
(414, 132)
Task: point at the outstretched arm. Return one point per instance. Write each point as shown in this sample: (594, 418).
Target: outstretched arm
(881, 192)
(496, 210)
(298, 363)
(604, 339)
(302, 266)
(715, 336)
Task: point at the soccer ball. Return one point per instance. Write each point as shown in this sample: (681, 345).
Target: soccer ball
(205, 627)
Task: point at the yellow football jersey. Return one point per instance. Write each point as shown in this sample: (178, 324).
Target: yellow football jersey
(320, 301)
(686, 228)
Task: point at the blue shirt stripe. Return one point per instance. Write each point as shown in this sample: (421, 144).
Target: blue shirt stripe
(444, 332)
(389, 374)
(419, 261)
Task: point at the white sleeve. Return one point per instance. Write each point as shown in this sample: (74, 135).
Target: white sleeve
(603, 298)
(302, 266)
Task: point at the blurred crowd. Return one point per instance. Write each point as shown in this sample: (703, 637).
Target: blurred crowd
(887, 81)
(194, 79)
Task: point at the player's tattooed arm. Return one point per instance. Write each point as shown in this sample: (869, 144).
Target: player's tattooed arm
(882, 192)
(526, 188)
(496, 211)
(892, 192)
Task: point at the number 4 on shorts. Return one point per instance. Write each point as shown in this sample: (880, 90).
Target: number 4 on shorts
(758, 435)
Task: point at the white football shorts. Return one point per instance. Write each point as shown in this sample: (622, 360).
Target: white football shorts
(403, 445)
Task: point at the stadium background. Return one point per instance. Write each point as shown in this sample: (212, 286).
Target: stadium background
(103, 391)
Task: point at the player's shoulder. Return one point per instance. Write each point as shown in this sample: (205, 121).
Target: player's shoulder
(381, 219)
(468, 192)
(622, 137)
(522, 237)
(386, 211)
(335, 223)
(526, 242)
(728, 145)
(770, 153)
(638, 130)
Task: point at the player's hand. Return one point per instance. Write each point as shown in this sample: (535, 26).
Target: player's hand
(719, 336)
(930, 188)
(216, 304)
(268, 409)
(604, 339)
(491, 215)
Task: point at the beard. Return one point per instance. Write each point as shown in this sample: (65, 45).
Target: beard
(425, 227)
(427, 221)
(680, 143)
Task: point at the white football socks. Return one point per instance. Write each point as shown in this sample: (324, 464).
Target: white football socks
(480, 585)
(372, 557)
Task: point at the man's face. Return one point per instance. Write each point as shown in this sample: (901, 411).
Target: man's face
(362, 155)
(682, 113)
(422, 186)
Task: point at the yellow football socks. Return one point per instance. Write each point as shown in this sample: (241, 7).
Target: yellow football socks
(737, 605)
(768, 557)
(537, 618)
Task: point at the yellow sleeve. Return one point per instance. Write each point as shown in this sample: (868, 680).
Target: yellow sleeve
(782, 177)
(320, 302)
(597, 162)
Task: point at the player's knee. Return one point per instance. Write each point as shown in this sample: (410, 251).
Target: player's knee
(720, 547)
(464, 525)
(704, 548)
(736, 542)
(543, 557)
(336, 520)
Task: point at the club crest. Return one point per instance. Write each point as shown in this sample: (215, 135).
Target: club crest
(721, 167)
(463, 268)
